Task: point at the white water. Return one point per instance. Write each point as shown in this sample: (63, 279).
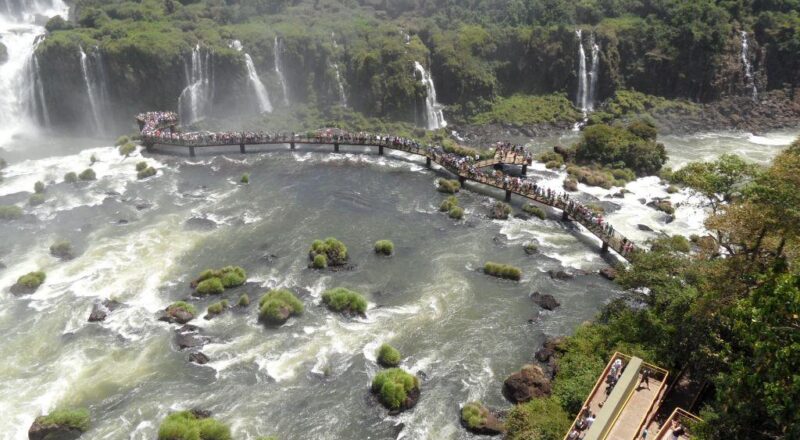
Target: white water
(93, 92)
(434, 118)
(339, 83)
(587, 81)
(748, 67)
(593, 75)
(276, 53)
(18, 75)
(262, 96)
(196, 99)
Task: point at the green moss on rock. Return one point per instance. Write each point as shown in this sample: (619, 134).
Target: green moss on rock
(211, 286)
(186, 425)
(502, 271)
(28, 283)
(448, 204)
(384, 247)
(334, 250)
(244, 300)
(61, 249)
(345, 301)
(456, 213)
(36, 199)
(388, 356)
(448, 186)
(396, 389)
(10, 212)
(127, 149)
(87, 175)
(69, 418)
(277, 306)
(534, 211)
(70, 177)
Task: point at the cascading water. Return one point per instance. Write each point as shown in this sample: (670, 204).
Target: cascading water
(22, 103)
(581, 98)
(748, 67)
(93, 92)
(434, 118)
(338, 75)
(262, 97)
(196, 99)
(276, 52)
(593, 75)
(587, 80)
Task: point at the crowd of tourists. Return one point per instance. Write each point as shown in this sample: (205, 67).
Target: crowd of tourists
(158, 127)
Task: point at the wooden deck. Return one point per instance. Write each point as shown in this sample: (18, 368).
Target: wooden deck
(684, 418)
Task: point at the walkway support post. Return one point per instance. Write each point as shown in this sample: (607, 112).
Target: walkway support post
(462, 180)
(380, 150)
(525, 170)
(241, 148)
(335, 147)
(508, 195)
(564, 216)
(604, 249)
(428, 162)
(292, 145)
(191, 151)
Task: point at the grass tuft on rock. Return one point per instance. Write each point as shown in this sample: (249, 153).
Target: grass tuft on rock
(141, 166)
(122, 140)
(384, 247)
(61, 249)
(71, 177)
(215, 281)
(127, 149)
(474, 415)
(448, 204)
(245, 178)
(75, 418)
(534, 211)
(345, 301)
(244, 300)
(36, 199)
(32, 280)
(182, 305)
(277, 306)
(211, 286)
(87, 175)
(216, 308)
(388, 356)
(145, 173)
(456, 213)
(38, 187)
(334, 250)
(320, 261)
(10, 212)
(502, 271)
(448, 186)
(185, 425)
(393, 387)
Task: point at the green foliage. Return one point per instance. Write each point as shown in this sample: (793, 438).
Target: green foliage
(127, 149)
(345, 301)
(277, 306)
(36, 199)
(141, 166)
(320, 261)
(502, 271)
(392, 387)
(334, 250)
(474, 415)
(122, 140)
(70, 177)
(210, 286)
(75, 418)
(456, 213)
(598, 176)
(184, 425)
(61, 249)
(217, 308)
(522, 110)
(534, 211)
(551, 159)
(244, 300)
(57, 23)
(622, 147)
(541, 419)
(215, 281)
(448, 186)
(629, 103)
(31, 280)
(388, 356)
(10, 212)
(723, 181)
(182, 305)
(570, 184)
(384, 247)
(448, 204)
(675, 243)
(145, 173)
(87, 175)
(38, 187)
(245, 178)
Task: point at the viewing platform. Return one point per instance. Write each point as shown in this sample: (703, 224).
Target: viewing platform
(679, 423)
(161, 128)
(622, 401)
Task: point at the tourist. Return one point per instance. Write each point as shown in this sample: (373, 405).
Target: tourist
(645, 379)
(677, 429)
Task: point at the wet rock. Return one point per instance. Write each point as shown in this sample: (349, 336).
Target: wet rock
(546, 301)
(489, 422)
(175, 316)
(544, 354)
(412, 397)
(526, 384)
(645, 228)
(200, 413)
(143, 206)
(19, 289)
(101, 310)
(560, 275)
(122, 221)
(608, 273)
(670, 218)
(643, 201)
(618, 195)
(199, 358)
(39, 431)
(530, 249)
(199, 224)
(189, 337)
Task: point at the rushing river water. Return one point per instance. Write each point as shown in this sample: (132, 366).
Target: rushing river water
(141, 242)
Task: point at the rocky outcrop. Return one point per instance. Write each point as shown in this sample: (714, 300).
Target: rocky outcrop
(481, 420)
(38, 431)
(608, 273)
(189, 336)
(101, 310)
(546, 301)
(176, 315)
(526, 384)
(560, 275)
(198, 358)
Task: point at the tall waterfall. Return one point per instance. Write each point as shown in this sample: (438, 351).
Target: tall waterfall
(277, 51)
(748, 67)
(22, 103)
(434, 118)
(338, 75)
(93, 81)
(196, 99)
(262, 97)
(587, 81)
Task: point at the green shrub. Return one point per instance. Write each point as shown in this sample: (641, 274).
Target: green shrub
(388, 356)
(217, 308)
(448, 204)
(570, 184)
(502, 271)
(521, 110)
(675, 243)
(121, 140)
(127, 149)
(211, 286)
(474, 415)
(145, 173)
(184, 425)
(534, 210)
(632, 147)
(182, 305)
(334, 250)
(244, 300)
(530, 248)
(456, 213)
(345, 301)
(551, 159)
(449, 186)
(87, 174)
(320, 261)
(92, 160)
(141, 166)
(70, 177)
(385, 247)
(73, 418)
(245, 178)
(36, 199)
(61, 249)
(543, 416)
(10, 212)
(38, 187)
(233, 276)
(392, 387)
(277, 306)
(31, 280)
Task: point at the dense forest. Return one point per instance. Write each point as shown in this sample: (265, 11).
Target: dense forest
(480, 53)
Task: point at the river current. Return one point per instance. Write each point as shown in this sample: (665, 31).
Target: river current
(141, 242)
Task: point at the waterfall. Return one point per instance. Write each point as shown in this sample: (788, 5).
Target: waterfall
(264, 106)
(196, 99)
(582, 97)
(593, 75)
(434, 118)
(276, 52)
(338, 75)
(93, 92)
(587, 80)
(748, 67)
(22, 101)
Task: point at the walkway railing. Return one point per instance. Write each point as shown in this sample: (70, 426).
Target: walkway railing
(159, 128)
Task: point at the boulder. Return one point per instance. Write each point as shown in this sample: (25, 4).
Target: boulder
(176, 316)
(608, 273)
(560, 275)
(490, 423)
(546, 301)
(38, 431)
(645, 228)
(101, 310)
(200, 224)
(189, 336)
(199, 358)
(526, 384)
(544, 354)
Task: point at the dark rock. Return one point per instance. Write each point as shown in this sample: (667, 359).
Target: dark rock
(175, 316)
(199, 358)
(200, 413)
(670, 218)
(526, 384)
(546, 301)
(189, 340)
(608, 273)
(618, 195)
(560, 275)
(643, 201)
(122, 221)
(492, 425)
(557, 344)
(19, 289)
(645, 228)
(101, 310)
(544, 354)
(143, 206)
(200, 224)
(52, 432)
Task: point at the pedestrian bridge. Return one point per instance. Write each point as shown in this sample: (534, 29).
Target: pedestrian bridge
(161, 129)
